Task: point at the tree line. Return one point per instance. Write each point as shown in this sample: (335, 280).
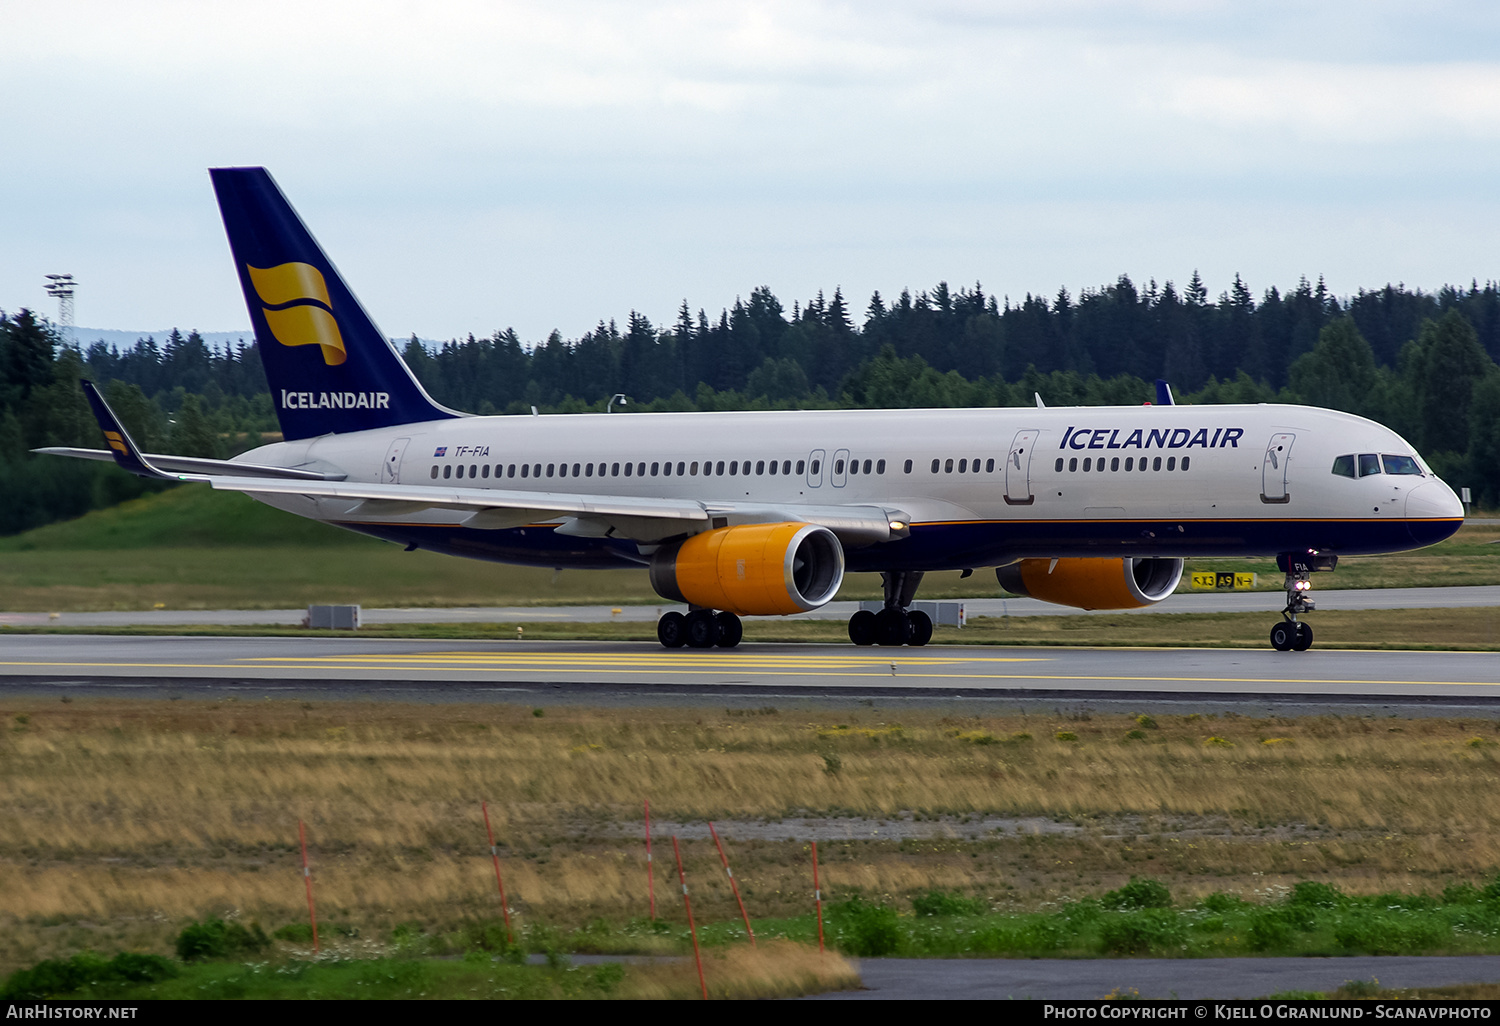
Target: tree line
(1422, 363)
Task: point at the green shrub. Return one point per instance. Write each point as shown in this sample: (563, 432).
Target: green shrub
(214, 938)
(1269, 929)
(937, 903)
(296, 933)
(1136, 933)
(86, 972)
(1140, 892)
(1311, 894)
(866, 930)
(1374, 933)
(1221, 902)
(1461, 894)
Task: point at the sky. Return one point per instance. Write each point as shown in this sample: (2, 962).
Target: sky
(476, 166)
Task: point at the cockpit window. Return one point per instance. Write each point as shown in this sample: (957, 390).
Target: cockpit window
(1369, 463)
(1343, 466)
(1400, 464)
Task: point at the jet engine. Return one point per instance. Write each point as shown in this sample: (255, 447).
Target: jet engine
(752, 569)
(1093, 583)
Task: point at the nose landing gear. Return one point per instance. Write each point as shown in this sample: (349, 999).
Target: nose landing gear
(894, 625)
(1292, 635)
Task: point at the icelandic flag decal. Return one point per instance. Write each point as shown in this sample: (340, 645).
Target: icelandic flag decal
(442, 450)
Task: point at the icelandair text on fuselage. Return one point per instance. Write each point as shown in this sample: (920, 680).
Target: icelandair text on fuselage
(1151, 438)
(1278, 1010)
(335, 400)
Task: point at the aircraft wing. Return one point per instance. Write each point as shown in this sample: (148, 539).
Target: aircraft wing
(586, 515)
(174, 465)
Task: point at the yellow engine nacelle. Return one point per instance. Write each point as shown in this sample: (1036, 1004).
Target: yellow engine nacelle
(1093, 583)
(752, 569)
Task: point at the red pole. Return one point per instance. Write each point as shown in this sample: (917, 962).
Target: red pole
(725, 859)
(650, 874)
(689, 906)
(817, 895)
(312, 913)
(495, 854)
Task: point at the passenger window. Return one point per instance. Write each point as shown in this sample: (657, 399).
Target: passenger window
(1073, 465)
(550, 466)
(760, 466)
(526, 470)
(854, 466)
(655, 469)
(786, 467)
(1185, 462)
(614, 470)
(1059, 466)
(880, 467)
(1088, 464)
(719, 470)
(486, 472)
(1156, 463)
(963, 466)
(801, 466)
(948, 465)
(588, 470)
(628, 468)
(693, 469)
(447, 472)
(575, 470)
(536, 470)
(510, 471)
(434, 472)
(562, 471)
(1369, 464)
(908, 467)
(734, 467)
(680, 466)
(1129, 462)
(1400, 465)
(934, 466)
(459, 471)
(666, 469)
(838, 466)
(640, 469)
(867, 466)
(1114, 464)
(989, 466)
(773, 467)
(817, 465)
(1171, 462)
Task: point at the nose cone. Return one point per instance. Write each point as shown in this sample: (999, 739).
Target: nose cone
(1433, 512)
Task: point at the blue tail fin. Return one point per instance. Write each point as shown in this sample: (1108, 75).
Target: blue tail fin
(330, 369)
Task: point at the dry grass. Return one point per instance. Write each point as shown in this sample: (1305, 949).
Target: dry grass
(118, 820)
(775, 969)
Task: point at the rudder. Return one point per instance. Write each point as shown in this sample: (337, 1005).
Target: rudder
(330, 369)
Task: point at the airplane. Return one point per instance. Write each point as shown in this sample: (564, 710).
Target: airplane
(763, 513)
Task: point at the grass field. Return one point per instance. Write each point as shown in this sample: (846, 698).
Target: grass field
(120, 821)
(193, 548)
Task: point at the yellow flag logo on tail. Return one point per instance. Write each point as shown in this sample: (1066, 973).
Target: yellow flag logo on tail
(310, 320)
(116, 442)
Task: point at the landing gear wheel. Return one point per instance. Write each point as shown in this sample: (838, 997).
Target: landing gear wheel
(1303, 640)
(921, 628)
(702, 628)
(730, 630)
(892, 627)
(1282, 636)
(671, 630)
(862, 628)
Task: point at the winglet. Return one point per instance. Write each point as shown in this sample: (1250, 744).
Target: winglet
(1039, 404)
(1164, 393)
(124, 450)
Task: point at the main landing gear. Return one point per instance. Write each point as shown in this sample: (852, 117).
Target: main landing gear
(1292, 635)
(699, 628)
(895, 624)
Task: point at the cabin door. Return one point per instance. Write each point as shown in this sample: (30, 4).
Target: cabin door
(1018, 469)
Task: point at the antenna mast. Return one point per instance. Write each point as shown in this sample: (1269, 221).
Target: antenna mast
(60, 287)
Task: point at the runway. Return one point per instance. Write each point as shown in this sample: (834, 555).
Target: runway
(633, 672)
(1267, 602)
